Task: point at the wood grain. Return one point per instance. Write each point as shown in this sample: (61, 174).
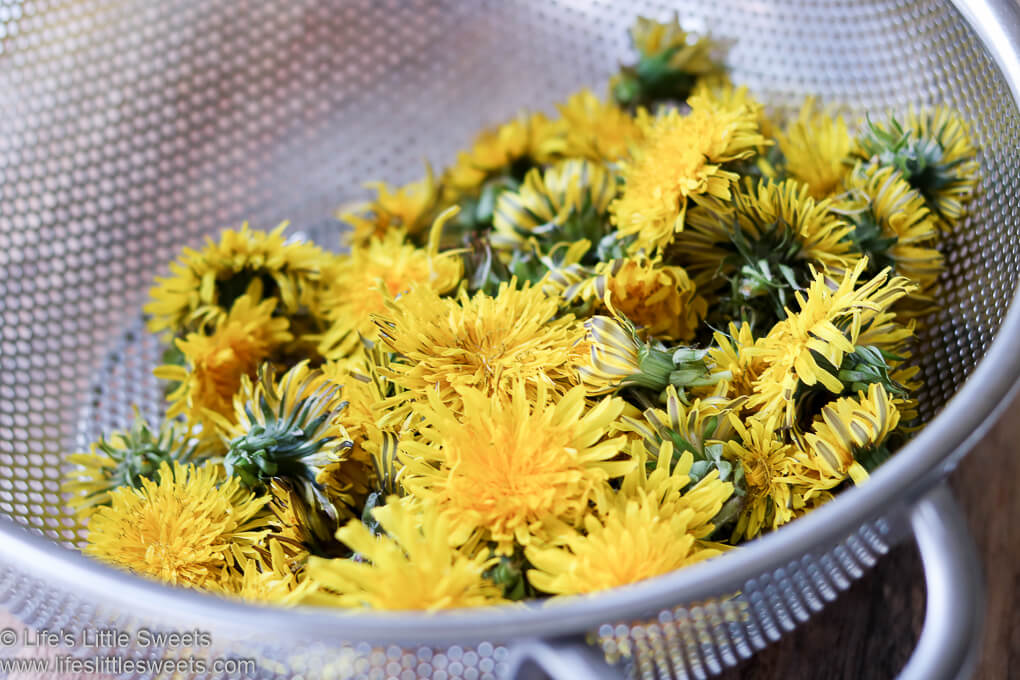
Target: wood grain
(869, 633)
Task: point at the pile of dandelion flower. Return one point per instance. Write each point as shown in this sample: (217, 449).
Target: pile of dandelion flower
(606, 343)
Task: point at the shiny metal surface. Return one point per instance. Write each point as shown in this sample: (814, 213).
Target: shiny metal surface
(128, 129)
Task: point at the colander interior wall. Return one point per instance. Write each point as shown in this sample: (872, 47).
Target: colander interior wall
(129, 129)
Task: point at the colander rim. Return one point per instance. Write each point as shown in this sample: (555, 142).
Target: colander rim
(901, 481)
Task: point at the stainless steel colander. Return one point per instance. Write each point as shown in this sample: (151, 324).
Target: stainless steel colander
(128, 129)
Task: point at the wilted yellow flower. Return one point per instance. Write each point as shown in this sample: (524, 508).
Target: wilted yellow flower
(184, 528)
(373, 273)
(414, 566)
(408, 209)
(267, 579)
(480, 341)
(511, 467)
(204, 284)
(680, 160)
(216, 363)
(733, 354)
(816, 148)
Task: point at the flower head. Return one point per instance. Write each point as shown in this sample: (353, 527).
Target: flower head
(780, 480)
(934, 153)
(124, 460)
(565, 204)
(650, 527)
(480, 341)
(808, 347)
(407, 209)
(371, 274)
(816, 149)
(204, 284)
(680, 160)
(216, 363)
(288, 428)
(183, 527)
(267, 578)
(596, 130)
(413, 566)
(853, 429)
(513, 467)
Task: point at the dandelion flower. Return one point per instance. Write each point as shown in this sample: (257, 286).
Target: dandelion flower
(216, 363)
(183, 528)
(375, 272)
(808, 347)
(513, 467)
(853, 429)
(650, 527)
(519, 143)
(775, 473)
(124, 460)
(816, 148)
(733, 355)
(288, 428)
(412, 566)
(565, 204)
(596, 130)
(266, 579)
(480, 341)
(407, 209)
(204, 285)
(892, 224)
(680, 160)
(934, 153)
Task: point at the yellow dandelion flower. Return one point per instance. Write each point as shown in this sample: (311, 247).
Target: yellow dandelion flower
(721, 91)
(808, 347)
(777, 223)
(204, 284)
(596, 130)
(299, 528)
(816, 148)
(681, 159)
(124, 460)
(413, 566)
(659, 298)
(512, 468)
(266, 579)
(775, 473)
(934, 153)
(893, 226)
(216, 363)
(290, 428)
(408, 209)
(733, 355)
(182, 529)
(851, 429)
(480, 341)
(523, 139)
(651, 527)
(373, 273)
(566, 203)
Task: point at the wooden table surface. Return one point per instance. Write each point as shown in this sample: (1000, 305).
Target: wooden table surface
(869, 632)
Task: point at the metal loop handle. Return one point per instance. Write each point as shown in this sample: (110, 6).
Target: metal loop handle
(954, 617)
(947, 649)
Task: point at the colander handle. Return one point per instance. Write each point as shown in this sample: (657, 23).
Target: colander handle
(953, 623)
(947, 649)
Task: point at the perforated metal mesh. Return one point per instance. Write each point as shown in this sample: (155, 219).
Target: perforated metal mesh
(130, 129)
